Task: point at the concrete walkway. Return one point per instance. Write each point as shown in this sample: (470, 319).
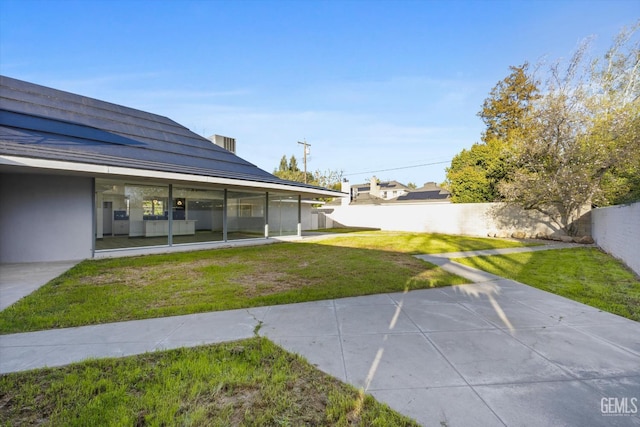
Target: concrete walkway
(495, 352)
(19, 280)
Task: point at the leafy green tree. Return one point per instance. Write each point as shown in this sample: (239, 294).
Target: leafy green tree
(289, 170)
(616, 110)
(474, 174)
(284, 165)
(506, 109)
(293, 164)
(583, 139)
(328, 179)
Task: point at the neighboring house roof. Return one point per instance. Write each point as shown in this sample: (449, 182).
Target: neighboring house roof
(429, 192)
(428, 195)
(393, 185)
(365, 199)
(387, 185)
(43, 123)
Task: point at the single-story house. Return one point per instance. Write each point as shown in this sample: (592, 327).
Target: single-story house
(83, 178)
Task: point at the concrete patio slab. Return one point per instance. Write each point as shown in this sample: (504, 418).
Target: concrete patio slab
(558, 306)
(378, 299)
(494, 357)
(618, 388)
(626, 337)
(373, 362)
(320, 351)
(445, 317)
(373, 319)
(579, 354)
(441, 406)
(508, 314)
(300, 320)
(543, 404)
(584, 316)
(422, 297)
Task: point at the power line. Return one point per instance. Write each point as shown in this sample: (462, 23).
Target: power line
(396, 169)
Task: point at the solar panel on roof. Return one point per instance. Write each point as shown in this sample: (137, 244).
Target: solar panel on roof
(41, 122)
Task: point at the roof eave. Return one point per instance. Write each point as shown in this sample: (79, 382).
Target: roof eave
(121, 172)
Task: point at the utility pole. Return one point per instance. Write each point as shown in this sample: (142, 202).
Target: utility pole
(306, 149)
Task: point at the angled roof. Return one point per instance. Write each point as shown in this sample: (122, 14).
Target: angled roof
(428, 195)
(367, 199)
(393, 185)
(429, 192)
(43, 123)
(386, 185)
(430, 186)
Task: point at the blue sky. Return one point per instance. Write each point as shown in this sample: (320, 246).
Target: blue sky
(371, 85)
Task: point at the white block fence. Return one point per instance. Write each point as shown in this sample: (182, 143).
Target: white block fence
(616, 229)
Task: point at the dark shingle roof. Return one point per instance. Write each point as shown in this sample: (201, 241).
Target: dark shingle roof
(383, 185)
(45, 123)
(423, 195)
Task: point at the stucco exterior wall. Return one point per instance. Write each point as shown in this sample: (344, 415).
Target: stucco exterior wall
(472, 219)
(45, 218)
(616, 229)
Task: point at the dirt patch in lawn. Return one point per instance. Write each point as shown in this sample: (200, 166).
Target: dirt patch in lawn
(261, 283)
(142, 276)
(256, 278)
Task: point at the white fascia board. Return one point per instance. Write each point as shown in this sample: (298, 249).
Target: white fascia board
(88, 168)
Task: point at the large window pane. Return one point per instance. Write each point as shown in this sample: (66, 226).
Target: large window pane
(130, 215)
(197, 215)
(133, 214)
(245, 215)
(283, 215)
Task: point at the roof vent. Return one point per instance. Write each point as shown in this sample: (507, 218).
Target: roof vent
(225, 142)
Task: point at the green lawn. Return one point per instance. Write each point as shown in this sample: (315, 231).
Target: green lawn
(586, 275)
(419, 243)
(344, 230)
(251, 382)
(111, 290)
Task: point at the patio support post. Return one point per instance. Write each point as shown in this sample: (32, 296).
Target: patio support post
(170, 215)
(299, 215)
(266, 215)
(224, 216)
(94, 216)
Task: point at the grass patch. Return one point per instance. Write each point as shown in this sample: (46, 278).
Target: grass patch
(343, 230)
(587, 275)
(249, 382)
(111, 290)
(420, 243)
